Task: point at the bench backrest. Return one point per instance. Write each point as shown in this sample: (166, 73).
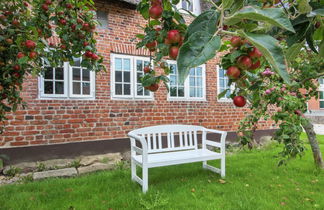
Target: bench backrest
(165, 138)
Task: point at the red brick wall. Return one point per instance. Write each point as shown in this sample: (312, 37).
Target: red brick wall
(58, 121)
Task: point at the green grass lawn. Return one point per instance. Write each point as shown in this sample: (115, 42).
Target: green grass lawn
(253, 181)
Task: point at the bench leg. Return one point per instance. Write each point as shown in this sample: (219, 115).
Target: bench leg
(133, 166)
(223, 167)
(145, 179)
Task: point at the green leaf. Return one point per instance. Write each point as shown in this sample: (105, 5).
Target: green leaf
(319, 12)
(222, 94)
(293, 51)
(154, 23)
(304, 7)
(274, 16)
(206, 21)
(140, 36)
(227, 3)
(321, 49)
(272, 51)
(200, 47)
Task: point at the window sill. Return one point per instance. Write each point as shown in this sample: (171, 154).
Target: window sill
(67, 98)
(225, 100)
(116, 98)
(187, 100)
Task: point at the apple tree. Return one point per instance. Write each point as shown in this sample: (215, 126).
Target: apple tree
(28, 29)
(274, 52)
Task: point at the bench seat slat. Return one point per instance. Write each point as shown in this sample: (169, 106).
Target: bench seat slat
(174, 158)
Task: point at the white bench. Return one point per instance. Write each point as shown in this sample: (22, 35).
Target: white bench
(166, 145)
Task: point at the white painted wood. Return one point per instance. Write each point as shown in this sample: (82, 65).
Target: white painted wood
(178, 151)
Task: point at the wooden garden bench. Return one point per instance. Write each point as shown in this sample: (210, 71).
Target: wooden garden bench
(166, 145)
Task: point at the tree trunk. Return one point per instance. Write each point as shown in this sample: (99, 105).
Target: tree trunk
(309, 128)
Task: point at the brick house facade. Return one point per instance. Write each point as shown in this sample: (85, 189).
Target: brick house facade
(106, 114)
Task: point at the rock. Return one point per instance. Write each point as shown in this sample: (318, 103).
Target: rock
(60, 163)
(95, 167)
(66, 172)
(105, 158)
(266, 140)
(126, 156)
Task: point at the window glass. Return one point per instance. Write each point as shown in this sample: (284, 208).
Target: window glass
(223, 83)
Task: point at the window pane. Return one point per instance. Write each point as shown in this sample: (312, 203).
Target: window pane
(173, 80)
(192, 72)
(184, 4)
(321, 94)
(48, 87)
(85, 75)
(48, 73)
(173, 91)
(77, 62)
(173, 69)
(59, 74)
(192, 92)
(221, 73)
(139, 65)
(126, 76)
(76, 74)
(102, 18)
(146, 63)
(127, 89)
(222, 83)
(59, 87)
(199, 81)
(86, 88)
(146, 92)
(118, 76)
(191, 6)
(192, 81)
(126, 64)
(181, 92)
(322, 104)
(321, 81)
(139, 90)
(199, 92)
(118, 64)
(139, 75)
(198, 71)
(76, 88)
(118, 89)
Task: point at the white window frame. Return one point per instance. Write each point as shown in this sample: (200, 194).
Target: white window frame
(195, 7)
(232, 87)
(321, 89)
(67, 86)
(187, 87)
(133, 79)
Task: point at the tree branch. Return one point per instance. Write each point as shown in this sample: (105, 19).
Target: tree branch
(317, 76)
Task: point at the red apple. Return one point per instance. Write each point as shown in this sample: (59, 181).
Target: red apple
(317, 24)
(156, 11)
(7, 13)
(88, 54)
(244, 62)
(63, 46)
(16, 67)
(20, 55)
(255, 53)
(15, 22)
(85, 26)
(16, 74)
(255, 65)
(85, 43)
(73, 27)
(60, 13)
(30, 44)
(9, 41)
(147, 69)
(69, 6)
(45, 7)
(26, 4)
(151, 45)
(233, 72)
(239, 101)
(94, 56)
(236, 41)
(173, 52)
(174, 36)
(48, 2)
(62, 21)
(33, 54)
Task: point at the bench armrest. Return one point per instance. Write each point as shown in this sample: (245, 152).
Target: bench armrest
(135, 149)
(221, 144)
